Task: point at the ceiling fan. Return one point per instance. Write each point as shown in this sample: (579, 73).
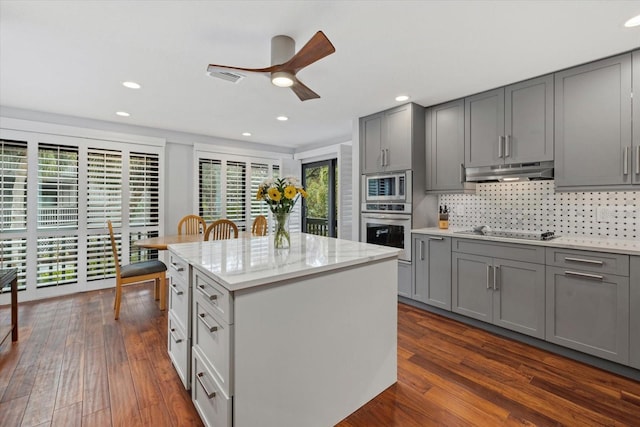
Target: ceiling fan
(285, 64)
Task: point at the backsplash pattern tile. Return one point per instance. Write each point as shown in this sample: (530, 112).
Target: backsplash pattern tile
(535, 206)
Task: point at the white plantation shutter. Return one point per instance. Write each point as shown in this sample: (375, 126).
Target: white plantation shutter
(104, 188)
(210, 189)
(259, 172)
(144, 203)
(236, 193)
(57, 186)
(57, 210)
(13, 202)
(144, 190)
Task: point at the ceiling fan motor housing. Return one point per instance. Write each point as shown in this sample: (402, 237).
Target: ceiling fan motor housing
(282, 49)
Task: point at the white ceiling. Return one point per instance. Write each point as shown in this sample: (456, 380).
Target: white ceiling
(70, 57)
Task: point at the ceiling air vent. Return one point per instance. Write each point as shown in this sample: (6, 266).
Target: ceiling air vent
(225, 74)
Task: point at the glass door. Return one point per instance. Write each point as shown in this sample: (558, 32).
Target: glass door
(319, 209)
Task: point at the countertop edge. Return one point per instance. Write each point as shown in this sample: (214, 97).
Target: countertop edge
(609, 245)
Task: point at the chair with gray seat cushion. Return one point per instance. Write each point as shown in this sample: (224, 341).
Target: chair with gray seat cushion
(138, 272)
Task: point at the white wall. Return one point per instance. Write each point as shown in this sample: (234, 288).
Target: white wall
(178, 184)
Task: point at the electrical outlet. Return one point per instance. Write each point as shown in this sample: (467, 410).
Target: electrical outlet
(605, 214)
(459, 210)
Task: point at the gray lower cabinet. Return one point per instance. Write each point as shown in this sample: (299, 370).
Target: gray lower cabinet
(404, 279)
(593, 124)
(506, 292)
(634, 312)
(432, 270)
(587, 307)
(445, 147)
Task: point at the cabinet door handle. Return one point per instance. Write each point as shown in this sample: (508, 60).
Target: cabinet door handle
(495, 275)
(500, 145)
(386, 157)
(461, 173)
(585, 275)
(206, 294)
(488, 276)
(586, 261)
(174, 288)
(382, 159)
(421, 246)
(638, 160)
(201, 316)
(177, 267)
(210, 394)
(625, 160)
(507, 147)
(435, 238)
(173, 335)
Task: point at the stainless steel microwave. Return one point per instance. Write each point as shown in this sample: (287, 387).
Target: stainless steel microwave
(387, 187)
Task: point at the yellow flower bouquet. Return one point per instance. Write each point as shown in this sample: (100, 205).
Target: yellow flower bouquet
(281, 195)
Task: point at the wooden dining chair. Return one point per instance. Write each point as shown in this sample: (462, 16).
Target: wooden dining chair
(259, 226)
(221, 229)
(138, 272)
(192, 224)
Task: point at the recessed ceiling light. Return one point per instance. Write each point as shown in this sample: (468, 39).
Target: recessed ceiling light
(633, 22)
(131, 85)
(123, 114)
(282, 118)
(401, 98)
(246, 133)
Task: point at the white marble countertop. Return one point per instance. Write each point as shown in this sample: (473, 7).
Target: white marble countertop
(600, 244)
(246, 262)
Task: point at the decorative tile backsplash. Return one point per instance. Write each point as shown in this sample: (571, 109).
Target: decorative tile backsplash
(535, 206)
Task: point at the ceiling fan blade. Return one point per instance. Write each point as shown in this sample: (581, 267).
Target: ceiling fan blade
(317, 48)
(273, 68)
(303, 92)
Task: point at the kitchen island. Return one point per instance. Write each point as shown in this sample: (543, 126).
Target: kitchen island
(303, 336)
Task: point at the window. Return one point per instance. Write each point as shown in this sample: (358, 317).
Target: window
(210, 189)
(56, 193)
(227, 187)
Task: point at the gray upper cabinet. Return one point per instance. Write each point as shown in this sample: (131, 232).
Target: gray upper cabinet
(635, 149)
(432, 270)
(512, 124)
(593, 124)
(387, 138)
(445, 147)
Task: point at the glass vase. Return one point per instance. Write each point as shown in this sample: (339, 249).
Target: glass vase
(281, 238)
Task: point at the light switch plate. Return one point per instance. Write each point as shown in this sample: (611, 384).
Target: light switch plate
(605, 214)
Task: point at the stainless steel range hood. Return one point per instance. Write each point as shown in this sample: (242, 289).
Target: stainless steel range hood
(508, 173)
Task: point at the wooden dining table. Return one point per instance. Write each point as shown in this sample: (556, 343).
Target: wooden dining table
(162, 242)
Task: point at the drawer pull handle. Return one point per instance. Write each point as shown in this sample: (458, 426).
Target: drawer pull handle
(208, 295)
(211, 328)
(177, 267)
(585, 275)
(174, 288)
(177, 340)
(586, 261)
(210, 394)
(436, 238)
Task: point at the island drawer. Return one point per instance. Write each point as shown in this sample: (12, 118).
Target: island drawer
(179, 346)
(213, 405)
(179, 301)
(178, 267)
(212, 336)
(513, 251)
(599, 262)
(215, 295)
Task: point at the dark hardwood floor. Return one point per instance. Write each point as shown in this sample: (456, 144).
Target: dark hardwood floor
(75, 365)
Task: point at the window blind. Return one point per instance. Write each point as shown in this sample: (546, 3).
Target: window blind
(236, 193)
(144, 187)
(210, 189)
(57, 186)
(13, 183)
(104, 188)
(259, 172)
